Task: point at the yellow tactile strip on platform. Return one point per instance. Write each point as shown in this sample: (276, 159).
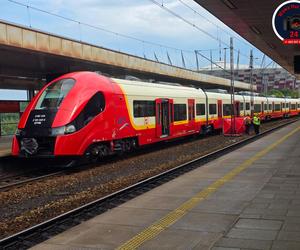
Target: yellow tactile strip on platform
(162, 224)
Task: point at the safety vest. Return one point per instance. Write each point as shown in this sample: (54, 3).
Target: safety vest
(256, 120)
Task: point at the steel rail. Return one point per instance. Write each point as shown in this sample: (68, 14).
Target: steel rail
(47, 229)
(26, 181)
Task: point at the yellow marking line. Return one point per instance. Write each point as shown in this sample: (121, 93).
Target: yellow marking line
(165, 222)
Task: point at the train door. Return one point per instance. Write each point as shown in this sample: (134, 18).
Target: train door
(165, 118)
(191, 113)
(162, 117)
(171, 113)
(158, 117)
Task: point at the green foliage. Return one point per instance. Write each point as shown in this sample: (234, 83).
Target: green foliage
(276, 93)
(9, 122)
(284, 93)
(290, 92)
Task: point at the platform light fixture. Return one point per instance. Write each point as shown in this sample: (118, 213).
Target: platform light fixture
(255, 30)
(229, 4)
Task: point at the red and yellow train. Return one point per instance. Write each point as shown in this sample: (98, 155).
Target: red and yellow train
(84, 113)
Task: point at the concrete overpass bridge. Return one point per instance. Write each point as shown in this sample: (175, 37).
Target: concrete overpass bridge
(29, 58)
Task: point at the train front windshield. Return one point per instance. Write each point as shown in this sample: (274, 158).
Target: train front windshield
(54, 94)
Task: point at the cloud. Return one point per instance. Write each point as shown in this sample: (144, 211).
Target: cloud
(137, 18)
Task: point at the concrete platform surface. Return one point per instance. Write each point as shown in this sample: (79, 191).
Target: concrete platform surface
(5, 145)
(248, 199)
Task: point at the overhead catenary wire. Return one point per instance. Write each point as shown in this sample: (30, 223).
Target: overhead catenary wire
(205, 57)
(142, 41)
(192, 24)
(99, 28)
(211, 22)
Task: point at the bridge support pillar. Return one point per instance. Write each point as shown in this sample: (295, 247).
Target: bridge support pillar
(30, 94)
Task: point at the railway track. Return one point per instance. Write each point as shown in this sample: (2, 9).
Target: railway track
(25, 178)
(49, 228)
(8, 181)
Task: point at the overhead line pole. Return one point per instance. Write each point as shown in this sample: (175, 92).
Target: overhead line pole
(233, 108)
(251, 83)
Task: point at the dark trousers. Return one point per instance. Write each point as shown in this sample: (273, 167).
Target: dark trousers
(247, 128)
(256, 129)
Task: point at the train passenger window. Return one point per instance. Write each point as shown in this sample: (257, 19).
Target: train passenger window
(257, 108)
(277, 107)
(143, 108)
(212, 109)
(265, 106)
(180, 112)
(299, 106)
(54, 94)
(241, 106)
(293, 106)
(270, 107)
(247, 105)
(226, 109)
(200, 109)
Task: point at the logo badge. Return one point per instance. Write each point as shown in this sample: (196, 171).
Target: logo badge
(286, 22)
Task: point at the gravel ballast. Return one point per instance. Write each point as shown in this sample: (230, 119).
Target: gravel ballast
(36, 202)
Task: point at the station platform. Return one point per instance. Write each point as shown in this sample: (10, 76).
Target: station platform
(248, 199)
(5, 145)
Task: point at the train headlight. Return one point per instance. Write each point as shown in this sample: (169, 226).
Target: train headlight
(58, 131)
(69, 129)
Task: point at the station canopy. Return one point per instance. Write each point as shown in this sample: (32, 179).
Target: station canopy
(253, 21)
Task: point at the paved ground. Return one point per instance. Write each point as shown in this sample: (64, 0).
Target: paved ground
(249, 199)
(5, 145)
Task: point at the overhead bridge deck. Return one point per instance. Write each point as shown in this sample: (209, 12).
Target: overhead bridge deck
(248, 199)
(35, 55)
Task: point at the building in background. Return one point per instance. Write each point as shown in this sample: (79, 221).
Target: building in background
(265, 79)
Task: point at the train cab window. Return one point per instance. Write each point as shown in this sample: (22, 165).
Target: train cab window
(257, 108)
(212, 109)
(54, 94)
(247, 105)
(226, 109)
(200, 109)
(180, 112)
(94, 107)
(143, 108)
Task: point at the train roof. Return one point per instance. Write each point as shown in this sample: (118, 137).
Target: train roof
(140, 88)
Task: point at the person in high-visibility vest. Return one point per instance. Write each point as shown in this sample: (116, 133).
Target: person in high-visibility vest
(256, 123)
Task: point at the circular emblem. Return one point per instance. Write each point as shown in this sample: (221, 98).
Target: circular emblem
(286, 22)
